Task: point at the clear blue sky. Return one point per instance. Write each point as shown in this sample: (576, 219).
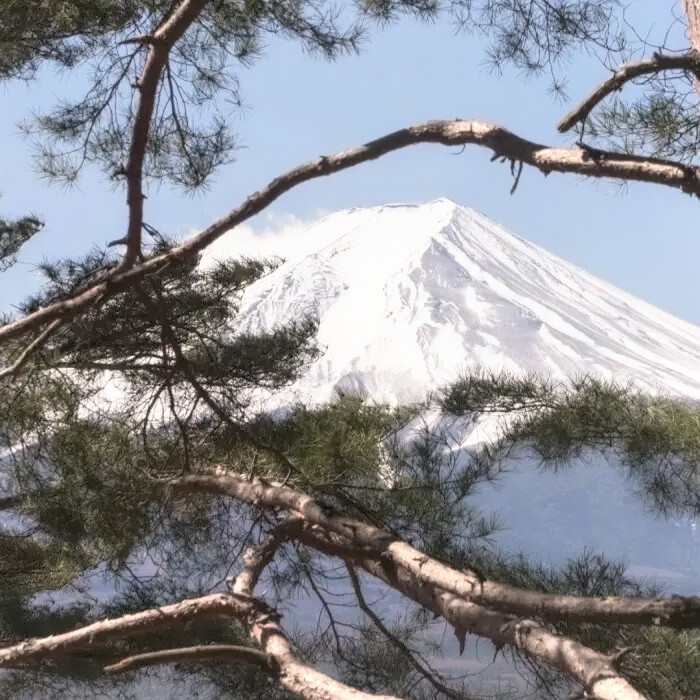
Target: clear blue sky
(645, 241)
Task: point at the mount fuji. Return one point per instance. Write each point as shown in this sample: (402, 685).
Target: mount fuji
(409, 296)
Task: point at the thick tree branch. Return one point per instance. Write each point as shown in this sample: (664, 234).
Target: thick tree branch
(502, 142)
(595, 671)
(689, 62)
(677, 611)
(195, 655)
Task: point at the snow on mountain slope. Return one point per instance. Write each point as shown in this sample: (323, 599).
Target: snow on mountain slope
(409, 295)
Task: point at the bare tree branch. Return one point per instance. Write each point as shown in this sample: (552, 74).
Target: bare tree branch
(689, 61)
(194, 655)
(502, 142)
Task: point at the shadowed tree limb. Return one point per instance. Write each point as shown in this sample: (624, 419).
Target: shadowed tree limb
(658, 63)
(502, 142)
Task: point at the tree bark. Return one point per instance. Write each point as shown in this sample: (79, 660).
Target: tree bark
(692, 13)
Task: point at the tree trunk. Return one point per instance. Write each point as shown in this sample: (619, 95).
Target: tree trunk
(692, 12)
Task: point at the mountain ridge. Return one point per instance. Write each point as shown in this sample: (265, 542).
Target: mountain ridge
(409, 296)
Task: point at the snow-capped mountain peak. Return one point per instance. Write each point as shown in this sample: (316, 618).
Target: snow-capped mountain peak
(408, 296)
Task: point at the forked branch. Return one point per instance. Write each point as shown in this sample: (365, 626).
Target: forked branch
(677, 611)
(276, 657)
(689, 62)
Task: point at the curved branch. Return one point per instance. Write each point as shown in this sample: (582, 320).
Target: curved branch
(677, 611)
(195, 655)
(500, 141)
(159, 45)
(689, 61)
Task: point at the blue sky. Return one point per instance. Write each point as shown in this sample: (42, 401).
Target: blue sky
(299, 107)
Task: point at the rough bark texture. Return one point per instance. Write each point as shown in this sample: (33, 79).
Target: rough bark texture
(692, 12)
(107, 631)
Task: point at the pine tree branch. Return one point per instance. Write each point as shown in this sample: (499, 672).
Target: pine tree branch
(195, 655)
(677, 611)
(277, 653)
(502, 142)
(658, 63)
(594, 671)
(160, 43)
(437, 587)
